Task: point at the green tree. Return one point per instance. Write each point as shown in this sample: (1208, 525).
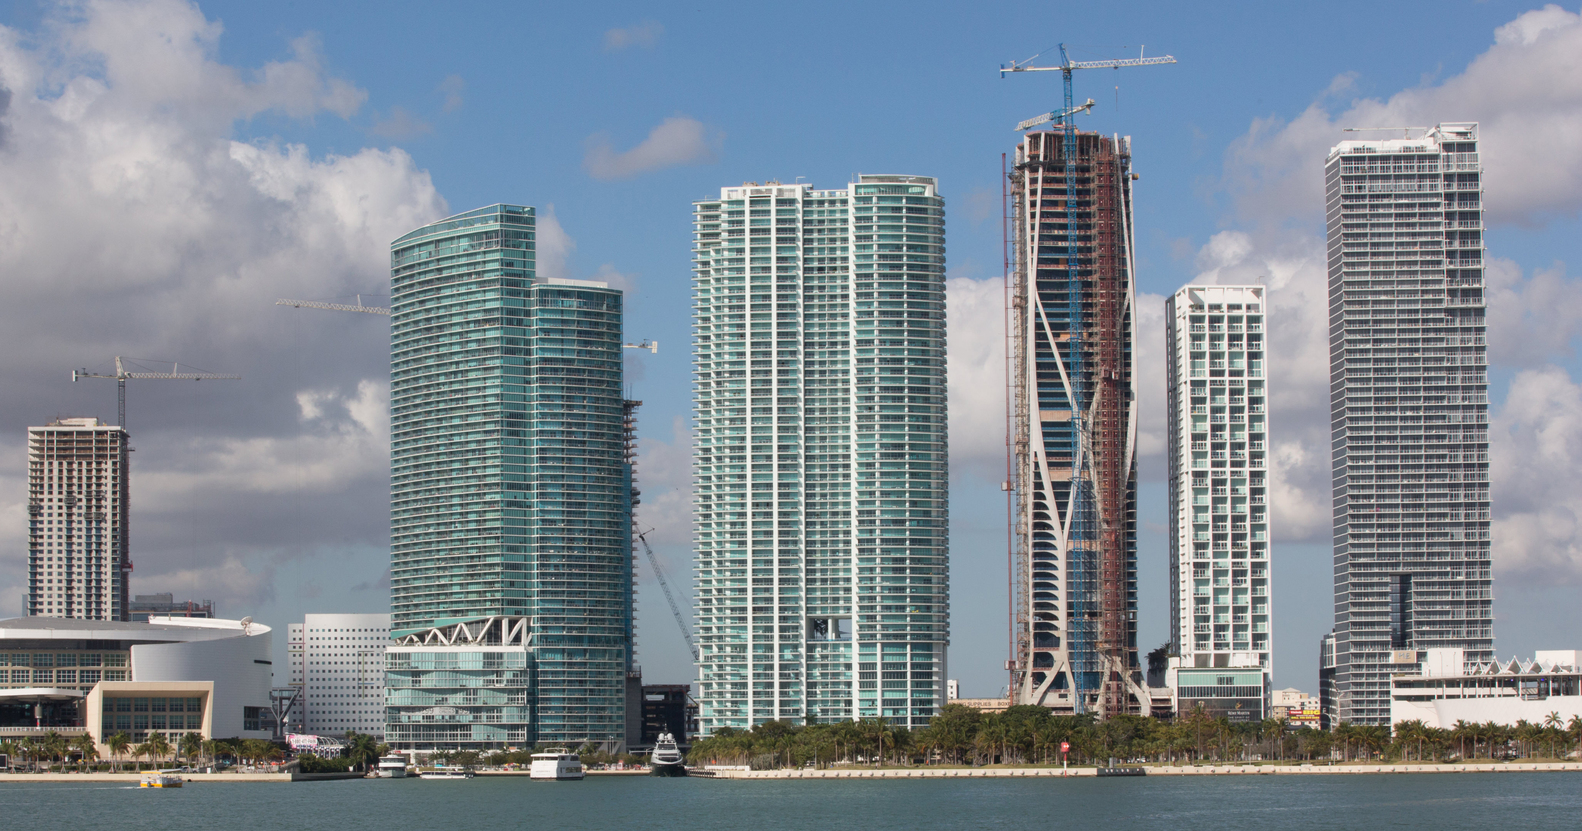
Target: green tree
(190, 745)
(119, 744)
(362, 749)
(86, 749)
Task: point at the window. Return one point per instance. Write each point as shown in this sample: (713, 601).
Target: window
(252, 717)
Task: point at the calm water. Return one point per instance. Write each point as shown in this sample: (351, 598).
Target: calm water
(1441, 802)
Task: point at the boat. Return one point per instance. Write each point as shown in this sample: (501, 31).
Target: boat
(447, 773)
(666, 760)
(162, 779)
(556, 763)
(392, 767)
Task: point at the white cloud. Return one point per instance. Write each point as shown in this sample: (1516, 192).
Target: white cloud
(677, 140)
(1525, 91)
(975, 320)
(129, 207)
(664, 474)
(643, 34)
(1531, 319)
(1536, 478)
(618, 280)
(552, 246)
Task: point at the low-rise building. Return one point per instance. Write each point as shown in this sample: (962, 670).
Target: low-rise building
(1297, 708)
(1440, 688)
(165, 604)
(1234, 685)
(173, 675)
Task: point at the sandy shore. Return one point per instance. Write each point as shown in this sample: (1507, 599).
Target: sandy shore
(1153, 770)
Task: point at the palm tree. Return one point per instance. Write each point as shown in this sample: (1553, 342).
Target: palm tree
(118, 743)
(86, 749)
(362, 749)
(158, 746)
(1552, 727)
(190, 744)
(10, 750)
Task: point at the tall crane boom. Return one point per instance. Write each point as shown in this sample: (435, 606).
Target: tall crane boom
(686, 631)
(122, 374)
(335, 307)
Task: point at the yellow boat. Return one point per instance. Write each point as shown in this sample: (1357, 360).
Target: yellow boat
(160, 780)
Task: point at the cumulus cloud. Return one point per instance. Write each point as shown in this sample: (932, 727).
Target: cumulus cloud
(1526, 93)
(677, 140)
(643, 34)
(975, 316)
(1531, 317)
(1536, 478)
(133, 223)
(553, 247)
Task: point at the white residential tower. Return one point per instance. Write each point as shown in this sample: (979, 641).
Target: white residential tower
(1219, 516)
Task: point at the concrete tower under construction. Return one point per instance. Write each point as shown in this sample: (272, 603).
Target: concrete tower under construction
(1074, 429)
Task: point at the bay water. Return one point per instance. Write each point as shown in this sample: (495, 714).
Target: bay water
(1528, 801)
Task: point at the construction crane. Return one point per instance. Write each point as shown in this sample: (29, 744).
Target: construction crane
(650, 345)
(1083, 522)
(686, 631)
(121, 376)
(335, 307)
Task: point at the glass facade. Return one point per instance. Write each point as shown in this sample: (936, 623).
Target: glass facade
(1409, 409)
(467, 698)
(510, 492)
(820, 457)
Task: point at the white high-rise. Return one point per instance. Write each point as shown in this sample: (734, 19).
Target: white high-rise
(337, 663)
(1219, 522)
(77, 520)
(820, 454)
(1408, 410)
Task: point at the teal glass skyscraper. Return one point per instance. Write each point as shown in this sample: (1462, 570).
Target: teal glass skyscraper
(821, 453)
(510, 490)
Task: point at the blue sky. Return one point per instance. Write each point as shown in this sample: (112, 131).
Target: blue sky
(268, 495)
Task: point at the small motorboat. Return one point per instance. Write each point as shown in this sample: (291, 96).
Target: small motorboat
(162, 779)
(556, 763)
(666, 760)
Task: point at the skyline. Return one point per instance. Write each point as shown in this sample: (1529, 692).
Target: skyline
(230, 484)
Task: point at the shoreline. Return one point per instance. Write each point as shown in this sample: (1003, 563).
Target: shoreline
(1152, 770)
(135, 778)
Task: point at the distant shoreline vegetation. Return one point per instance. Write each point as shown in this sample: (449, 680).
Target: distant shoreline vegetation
(1029, 735)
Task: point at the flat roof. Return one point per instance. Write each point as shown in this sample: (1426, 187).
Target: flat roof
(157, 630)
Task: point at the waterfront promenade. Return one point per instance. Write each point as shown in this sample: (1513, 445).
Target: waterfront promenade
(1153, 770)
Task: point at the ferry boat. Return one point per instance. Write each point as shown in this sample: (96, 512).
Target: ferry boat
(447, 773)
(666, 760)
(392, 767)
(162, 779)
(556, 763)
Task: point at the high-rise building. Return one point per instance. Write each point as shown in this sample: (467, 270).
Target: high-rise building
(821, 487)
(1074, 426)
(337, 667)
(1408, 410)
(510, 507)
(1219, 521)
(77, 521)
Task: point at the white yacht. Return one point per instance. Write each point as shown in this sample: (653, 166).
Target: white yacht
(392, 767)
(556, 763)
(447, 773)
(666, 760)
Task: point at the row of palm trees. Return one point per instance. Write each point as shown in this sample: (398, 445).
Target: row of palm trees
(1032, 735)
(52, 747)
